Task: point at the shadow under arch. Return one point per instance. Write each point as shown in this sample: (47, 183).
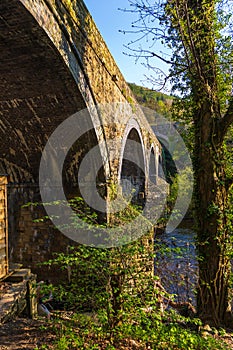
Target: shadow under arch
(132, 171)
(38, 92)
(153, 174)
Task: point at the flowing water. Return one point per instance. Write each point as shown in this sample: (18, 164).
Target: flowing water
(176, 264)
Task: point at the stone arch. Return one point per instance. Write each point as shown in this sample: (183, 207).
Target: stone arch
(132, 124)
(161, 167)
(132, 169)
(42, 84)
(152, 171)
(55, 39)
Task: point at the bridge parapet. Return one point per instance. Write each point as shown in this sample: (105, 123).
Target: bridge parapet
(73, 31)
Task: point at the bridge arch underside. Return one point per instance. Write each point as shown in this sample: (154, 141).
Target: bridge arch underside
(38, 92)
(132, 174)
(153, 167)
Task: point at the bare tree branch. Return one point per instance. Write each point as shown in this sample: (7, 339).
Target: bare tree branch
(139, 53)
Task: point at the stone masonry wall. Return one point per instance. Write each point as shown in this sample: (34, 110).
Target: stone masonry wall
(55, 63)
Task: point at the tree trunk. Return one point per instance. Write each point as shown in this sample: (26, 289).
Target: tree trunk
(213, 238)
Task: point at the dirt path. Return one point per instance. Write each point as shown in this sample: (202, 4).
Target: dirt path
(29, 334)
(24, 333)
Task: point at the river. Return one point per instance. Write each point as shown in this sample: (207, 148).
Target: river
(176, 263)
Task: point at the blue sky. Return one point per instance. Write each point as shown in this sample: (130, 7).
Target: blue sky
(109, 21)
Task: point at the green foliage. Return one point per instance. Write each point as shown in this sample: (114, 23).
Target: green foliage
(182, 183)
(113, 299)
(156, 101)
(140, 328)
(199, 37)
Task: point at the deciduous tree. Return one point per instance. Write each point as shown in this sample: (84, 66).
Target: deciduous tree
(198, 33)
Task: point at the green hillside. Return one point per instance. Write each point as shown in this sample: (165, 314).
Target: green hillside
(157, 101)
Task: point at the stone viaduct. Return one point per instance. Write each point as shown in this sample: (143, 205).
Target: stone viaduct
(53, 64)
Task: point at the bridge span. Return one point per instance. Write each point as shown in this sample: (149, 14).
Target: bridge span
(54, 64)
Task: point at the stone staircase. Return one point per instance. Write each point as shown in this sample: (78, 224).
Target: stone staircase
(18, 295)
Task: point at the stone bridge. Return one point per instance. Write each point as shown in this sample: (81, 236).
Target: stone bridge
(54, 63)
